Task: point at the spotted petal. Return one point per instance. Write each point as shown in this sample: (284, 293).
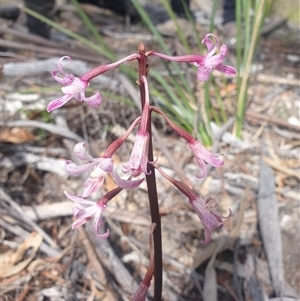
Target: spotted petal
(59, 102)
(75, 170)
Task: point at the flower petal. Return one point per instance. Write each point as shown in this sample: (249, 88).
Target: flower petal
(59, 102)
(211, 47)
(71, 90)
(92, 185)
(226, 70)
(79, 200)
(78, 223)
(93, 101)
(126, 184)
(82, 152)
(75, 210)
(87, 212)
(98, 223)
(106, 164)
(210, 218)
(67, 79)
(59, 64)
(203, 155)
(75, 170)
(207, 234)
(138, 160)
(204, 72)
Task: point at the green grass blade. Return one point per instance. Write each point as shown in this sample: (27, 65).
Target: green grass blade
(180, 33)
(241, 104)
(93, 30)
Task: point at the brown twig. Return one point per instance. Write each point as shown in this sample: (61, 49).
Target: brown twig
(44, 51)
(271, 120)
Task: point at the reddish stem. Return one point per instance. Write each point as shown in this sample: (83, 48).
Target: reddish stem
(151, 184)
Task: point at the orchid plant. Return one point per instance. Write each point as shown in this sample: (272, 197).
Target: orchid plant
(141, 165)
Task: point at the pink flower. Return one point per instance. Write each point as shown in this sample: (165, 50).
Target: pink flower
(138, 160)
(210, 218)
(139, 156)
(202, 155)
(85, 213)
(74, 88)
(207, 62)
(100, 167)
(211, 61)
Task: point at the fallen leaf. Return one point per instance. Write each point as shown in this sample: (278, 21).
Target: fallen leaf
(15, 135)
(12, 262)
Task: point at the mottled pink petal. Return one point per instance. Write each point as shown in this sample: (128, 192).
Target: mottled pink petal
(217, 60)
(59, 102)
(70, 90)
(93, 101)
(226, 70)
(82, 152)
(87, 212)
(79, 200)
(126, 184)
(78, 223)
(75, 210)
(98, 223)
(92, 185)
(57, 78)
(106, 164)
(207, 235)
(139, 156)
(59, 64)
(209, 217)
(203, 155)
(75, 170)
(67, 79)
(211, 47)
(204, 73)
(203, 169)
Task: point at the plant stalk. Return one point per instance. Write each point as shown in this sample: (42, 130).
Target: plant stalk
(151, 186)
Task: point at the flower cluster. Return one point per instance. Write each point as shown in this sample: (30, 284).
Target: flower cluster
(137, 166)
(141, 164)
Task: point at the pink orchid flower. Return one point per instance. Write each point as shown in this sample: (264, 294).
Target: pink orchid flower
(207, 62)
(210, 218)
(202, 155)
(74, 87)
(86, 211)
(139, 156)
(100, 168)
(138, 161)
